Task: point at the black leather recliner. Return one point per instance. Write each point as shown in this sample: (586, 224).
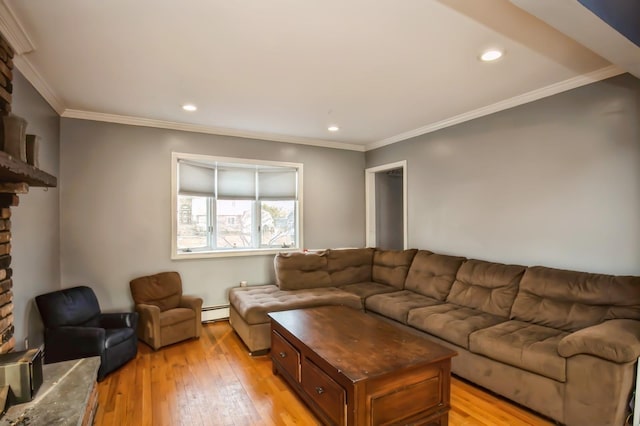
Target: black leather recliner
(76, 328)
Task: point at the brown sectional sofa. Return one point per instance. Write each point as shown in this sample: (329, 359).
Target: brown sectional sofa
(562, 343)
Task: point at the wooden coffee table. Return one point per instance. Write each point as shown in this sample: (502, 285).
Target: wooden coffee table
(354, 369)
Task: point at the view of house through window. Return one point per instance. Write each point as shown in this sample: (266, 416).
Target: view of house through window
(231, 205)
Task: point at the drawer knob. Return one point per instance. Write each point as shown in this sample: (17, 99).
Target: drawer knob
(283, 354)
(319, 390)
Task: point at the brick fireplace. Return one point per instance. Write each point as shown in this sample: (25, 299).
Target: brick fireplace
(16, 176)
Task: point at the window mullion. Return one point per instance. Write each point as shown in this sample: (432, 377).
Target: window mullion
(213, 224)
(258, 226)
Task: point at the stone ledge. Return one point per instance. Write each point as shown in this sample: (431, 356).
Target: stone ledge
(66, 397)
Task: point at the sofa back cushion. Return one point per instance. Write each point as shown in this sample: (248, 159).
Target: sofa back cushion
(349, 266)
(486, 286)
(570, 301)
(295, 271)
(391, 266)
(432, 274)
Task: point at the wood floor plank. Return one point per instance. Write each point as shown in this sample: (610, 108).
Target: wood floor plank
(213, 381)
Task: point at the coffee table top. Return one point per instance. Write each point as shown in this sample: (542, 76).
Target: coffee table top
(360, 346)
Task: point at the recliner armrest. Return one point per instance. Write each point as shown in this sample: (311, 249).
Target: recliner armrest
(119, 320)
(148, 312)
(614, 340)
(191, 302)
(69, 342)
(149, 324)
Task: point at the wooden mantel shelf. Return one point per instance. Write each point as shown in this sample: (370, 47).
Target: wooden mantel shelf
(16, 171)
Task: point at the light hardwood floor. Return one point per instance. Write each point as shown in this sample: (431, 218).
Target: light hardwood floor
(213, 381)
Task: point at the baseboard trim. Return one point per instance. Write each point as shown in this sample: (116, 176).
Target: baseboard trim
(215, 313)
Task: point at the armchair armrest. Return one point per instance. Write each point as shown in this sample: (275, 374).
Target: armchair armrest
(191, 302)
(614, 340)
(195, 303)
(119, 320)
(149, 324)
(64, 343)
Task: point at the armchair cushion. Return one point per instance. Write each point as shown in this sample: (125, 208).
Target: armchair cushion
(163, 290)
(72, 306)
(175, 316)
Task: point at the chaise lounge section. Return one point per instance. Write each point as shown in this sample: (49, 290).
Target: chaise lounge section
(563, 343)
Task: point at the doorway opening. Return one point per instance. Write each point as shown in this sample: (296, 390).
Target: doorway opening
(386, 206)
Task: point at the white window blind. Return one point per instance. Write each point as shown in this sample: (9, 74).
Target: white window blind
(236, 183)
(196, 180)
(277, 184)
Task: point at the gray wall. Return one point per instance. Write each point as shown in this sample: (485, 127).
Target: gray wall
(115, 207)
(555, 182)
(36, 221)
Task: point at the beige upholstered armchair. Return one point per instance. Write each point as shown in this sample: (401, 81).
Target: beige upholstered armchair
(166, 315)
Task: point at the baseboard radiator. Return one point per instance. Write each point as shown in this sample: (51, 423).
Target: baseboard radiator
(215, 313)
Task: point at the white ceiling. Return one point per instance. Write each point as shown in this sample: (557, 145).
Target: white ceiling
(382, 70)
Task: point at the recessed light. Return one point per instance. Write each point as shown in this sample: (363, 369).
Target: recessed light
(189, 107)
(491, 55)
(333, 128)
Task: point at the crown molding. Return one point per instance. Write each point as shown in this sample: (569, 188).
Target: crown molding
(196, 128)
(39, 83)
(531, 96)
(13, 30)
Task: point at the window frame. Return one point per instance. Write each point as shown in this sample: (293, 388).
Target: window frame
(212, 253)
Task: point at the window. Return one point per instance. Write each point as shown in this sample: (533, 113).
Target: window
(228, 206)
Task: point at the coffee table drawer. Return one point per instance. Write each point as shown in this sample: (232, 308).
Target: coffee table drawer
(324, 391)
(285, 355)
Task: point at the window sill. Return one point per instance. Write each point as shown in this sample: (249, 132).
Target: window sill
(231, 253)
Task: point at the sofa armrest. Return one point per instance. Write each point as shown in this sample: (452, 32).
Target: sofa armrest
(614, 340)
(119, 320)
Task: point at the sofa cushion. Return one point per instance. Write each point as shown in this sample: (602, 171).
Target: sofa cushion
(298, 270)
(391, 266)
(451, 322)
(432, 274)
(396, 305)
(527, 346)
(254, 302)
(349, 266)
(486, 286)
(570, 300)
(367, 289)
